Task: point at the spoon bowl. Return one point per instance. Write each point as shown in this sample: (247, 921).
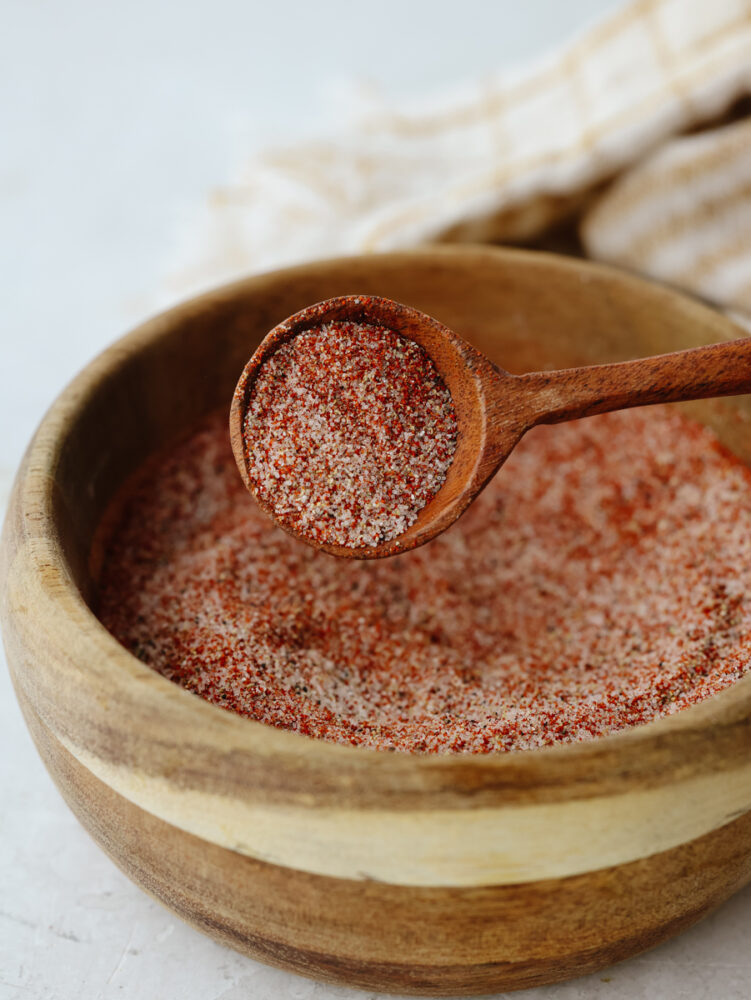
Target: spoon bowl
(474, 382)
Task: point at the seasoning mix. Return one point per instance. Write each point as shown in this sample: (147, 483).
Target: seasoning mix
(349, 433)
(601, 580)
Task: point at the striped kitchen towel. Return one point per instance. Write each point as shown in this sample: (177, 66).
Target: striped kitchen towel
(635, 131)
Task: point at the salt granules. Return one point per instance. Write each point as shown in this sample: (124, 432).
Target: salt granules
(601, 580)
(349, 433)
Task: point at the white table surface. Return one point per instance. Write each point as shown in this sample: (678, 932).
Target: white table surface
(115, 122)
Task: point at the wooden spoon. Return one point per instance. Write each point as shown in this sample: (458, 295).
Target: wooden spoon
(493, 407)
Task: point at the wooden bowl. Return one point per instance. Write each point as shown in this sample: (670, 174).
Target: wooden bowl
(410, 873)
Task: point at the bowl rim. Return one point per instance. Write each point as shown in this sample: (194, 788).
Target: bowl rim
(331, 770)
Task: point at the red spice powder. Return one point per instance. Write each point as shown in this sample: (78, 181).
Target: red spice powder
(602, 579)
(349, 433)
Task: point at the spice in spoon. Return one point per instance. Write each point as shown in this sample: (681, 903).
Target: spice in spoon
(349, 433)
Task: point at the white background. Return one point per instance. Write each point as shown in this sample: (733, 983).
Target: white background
(116, 119)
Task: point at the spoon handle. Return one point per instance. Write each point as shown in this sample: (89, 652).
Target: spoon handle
(716, 370)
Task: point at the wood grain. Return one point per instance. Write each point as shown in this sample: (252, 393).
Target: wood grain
(381, 937)
(96, 710)
(716, 370)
